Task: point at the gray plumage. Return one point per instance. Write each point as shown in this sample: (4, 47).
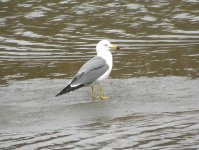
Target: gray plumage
(87, 74)
(90, 71)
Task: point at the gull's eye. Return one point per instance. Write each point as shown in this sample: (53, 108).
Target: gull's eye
(106, 45)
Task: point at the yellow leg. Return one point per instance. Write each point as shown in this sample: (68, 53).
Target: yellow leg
(101, 96)
(93, 93)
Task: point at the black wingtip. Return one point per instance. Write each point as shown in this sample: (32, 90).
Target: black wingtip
(65, 90)
(62, 92)
(57, 95)
(69, 89)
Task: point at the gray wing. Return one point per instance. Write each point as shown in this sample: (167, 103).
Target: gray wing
(90, 71)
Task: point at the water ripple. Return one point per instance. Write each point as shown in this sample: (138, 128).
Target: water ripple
(133, 131)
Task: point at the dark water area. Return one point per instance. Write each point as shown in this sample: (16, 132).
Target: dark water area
(54, 38)
(153, 87)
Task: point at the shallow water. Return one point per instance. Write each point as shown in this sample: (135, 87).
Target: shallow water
(137, 115)
(153, 87)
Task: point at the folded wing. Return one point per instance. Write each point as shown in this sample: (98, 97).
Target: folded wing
(87, 74)
(90, 71)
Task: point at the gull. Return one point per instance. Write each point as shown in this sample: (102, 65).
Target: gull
(94, 71)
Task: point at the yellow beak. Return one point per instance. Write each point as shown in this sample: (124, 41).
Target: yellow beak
(115, 47)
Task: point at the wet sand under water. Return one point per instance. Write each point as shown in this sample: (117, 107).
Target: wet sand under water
(142, 113)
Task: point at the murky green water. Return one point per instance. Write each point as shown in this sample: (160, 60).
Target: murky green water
(153, 88)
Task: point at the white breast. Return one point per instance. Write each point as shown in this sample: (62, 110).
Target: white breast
(108, 57)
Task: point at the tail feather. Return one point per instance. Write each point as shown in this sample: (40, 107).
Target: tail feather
(69, 89)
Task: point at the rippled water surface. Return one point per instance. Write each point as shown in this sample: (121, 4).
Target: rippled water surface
(153, 88)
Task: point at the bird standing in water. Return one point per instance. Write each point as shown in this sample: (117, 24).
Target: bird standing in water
(94, 71)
